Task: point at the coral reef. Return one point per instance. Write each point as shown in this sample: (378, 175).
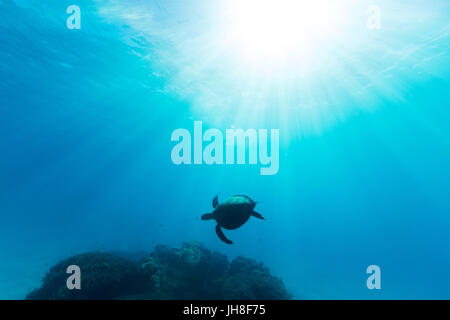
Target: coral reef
(103, 276)
(189, 272)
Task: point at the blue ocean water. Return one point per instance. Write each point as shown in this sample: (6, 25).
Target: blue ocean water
(364, 178)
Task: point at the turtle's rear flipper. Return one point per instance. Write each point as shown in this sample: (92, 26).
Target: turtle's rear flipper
(257, 215)
(207, 216)
(222, 236)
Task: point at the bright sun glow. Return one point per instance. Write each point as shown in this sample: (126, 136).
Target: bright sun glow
(296, 64)
(282, 28)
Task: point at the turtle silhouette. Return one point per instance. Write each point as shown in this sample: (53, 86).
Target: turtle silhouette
(231, 214)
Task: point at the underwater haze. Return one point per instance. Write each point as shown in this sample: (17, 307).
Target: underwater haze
(361, 107)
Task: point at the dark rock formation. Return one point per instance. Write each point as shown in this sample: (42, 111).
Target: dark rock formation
(189, 272)
(103, 276)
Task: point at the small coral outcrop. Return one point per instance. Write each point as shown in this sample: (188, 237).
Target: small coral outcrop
(103, 275)
(189, 272)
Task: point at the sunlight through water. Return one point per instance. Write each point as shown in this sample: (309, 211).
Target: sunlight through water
(300, 65)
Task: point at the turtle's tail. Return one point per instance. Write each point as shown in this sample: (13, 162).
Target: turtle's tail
(207, 216)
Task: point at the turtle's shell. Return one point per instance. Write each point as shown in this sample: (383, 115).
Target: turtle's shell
(234, 212)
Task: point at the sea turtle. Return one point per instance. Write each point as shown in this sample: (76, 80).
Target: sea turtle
(231, 214)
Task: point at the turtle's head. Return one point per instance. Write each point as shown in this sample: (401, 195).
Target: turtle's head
(208, 216)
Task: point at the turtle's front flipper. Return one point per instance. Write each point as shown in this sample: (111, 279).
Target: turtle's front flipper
(215, 201)
(257, 215)
(222, 236)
